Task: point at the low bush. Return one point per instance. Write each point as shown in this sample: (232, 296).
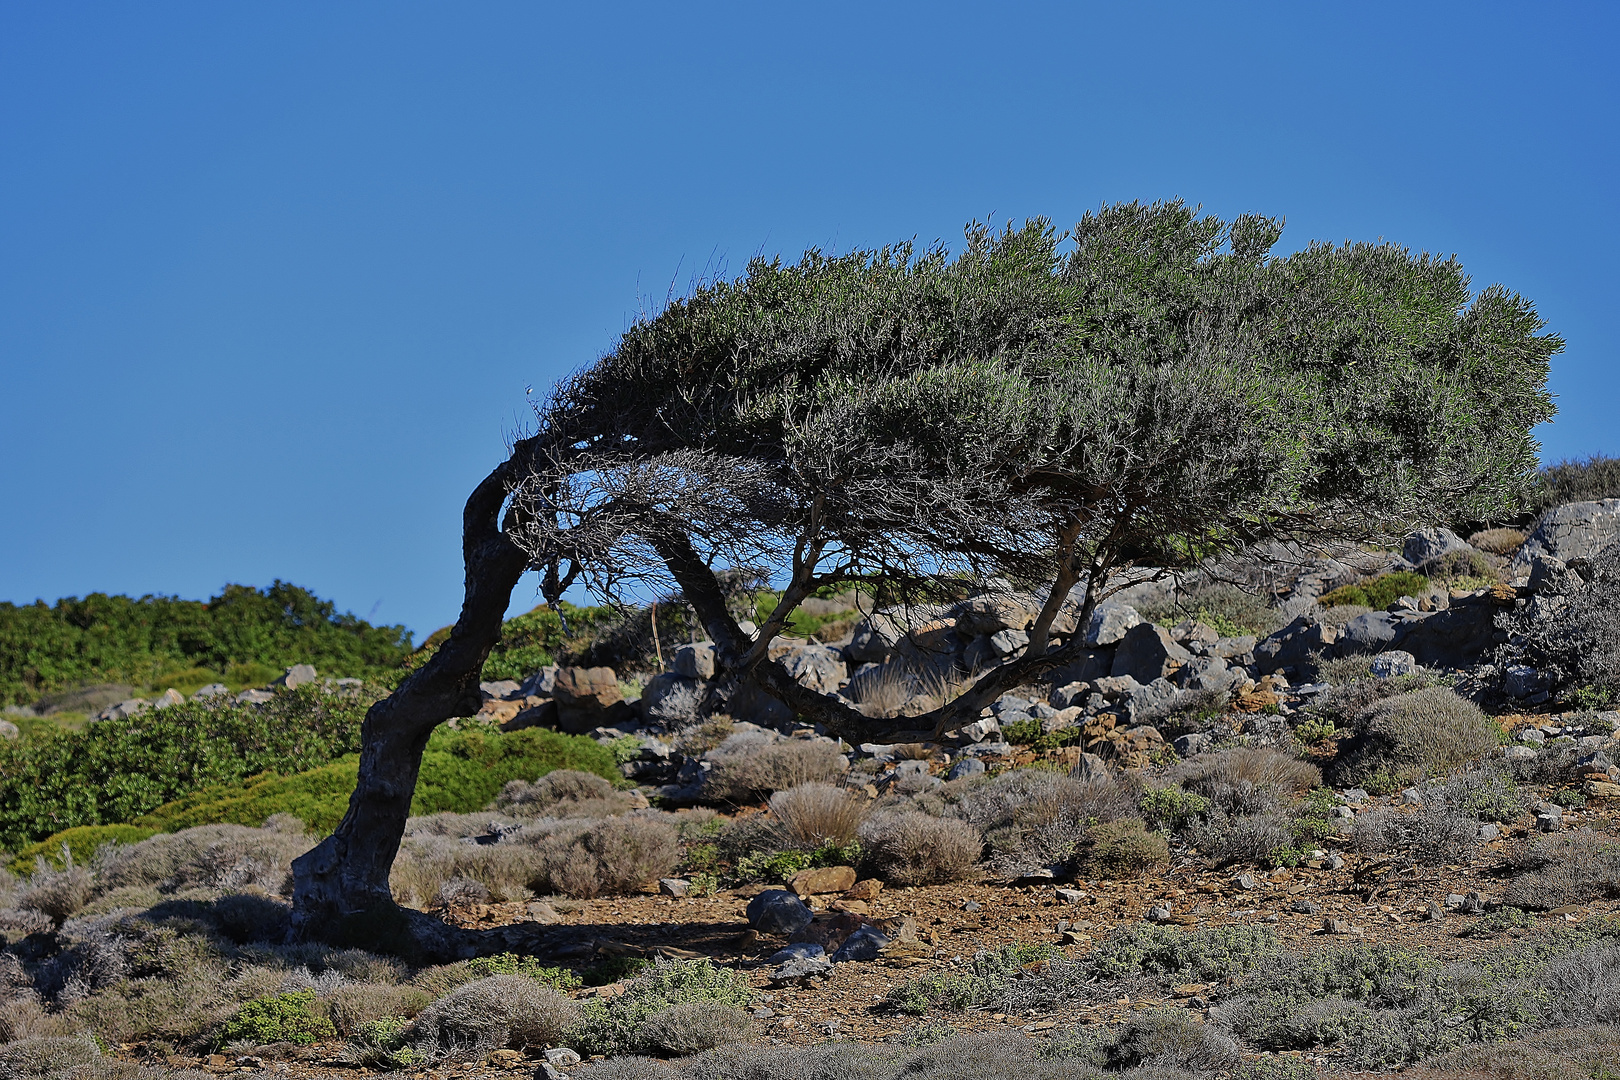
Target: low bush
(1225, 839)
(1484, 794)
(907, 847)
(1378, 592)
(1574, 480)
(814, 814)
(692, 1027)
(1432, 834)
(982, 982)
(619, 1025)
(1248, 780)
(1229, 610)
(1167, 1038)
(1172, 808)
(1036, 817)
(557, 792)
(1497, 541)
(614, 857)
(1582, 1053)
(490, 1013)
(57, 894)
(1124, 848)
(746, 768)
(208, 856)
(49, 1058)
(79, 844)
(1414, 736)
(1207, 955)
(1571, 634)
(293, 1017)
(1573, 868)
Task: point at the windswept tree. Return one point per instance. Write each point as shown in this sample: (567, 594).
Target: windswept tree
(1043, 409)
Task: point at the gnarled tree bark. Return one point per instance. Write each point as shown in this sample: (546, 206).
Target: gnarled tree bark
(340, 887)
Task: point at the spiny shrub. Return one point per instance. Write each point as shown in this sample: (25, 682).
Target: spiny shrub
(1582, 1053)
(613, 857)
(814, 814)
(617, 1025)
(208, 856)
(57, 894)
(1124, 848)
(1035, 817)
(1168, 1038)
(907, 847)
(1413, 736)
(352, 1006)
(1229, 610)
(1172, 808)
(1433, 834)
(748, 768)
(493, 1012)
(525, 797)
(1574, 868)
(49, 1058)
(692, 1027)
(1225, 839)
(1573, 480)
(1576, 643)
(1484, 794)
(292, 1017)
(1248, 780)
(1497, 541)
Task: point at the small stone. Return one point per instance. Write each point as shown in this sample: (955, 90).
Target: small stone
(867, 889)
(1412, 797)
(1472, 904)
(1344, 813)
(676, 887)
(1334, 862)
(1548, 821)
(1158, 914)
(1488, 832)
(1518, 753)
(1601, 789)
(296, 676)
(1070, 896)
(799, 950)
(1435, 912)
(1356, 795)
(822, 880)
(548, 1071)
(763, 1013)
(541, 912)
(1303, 907)
(1246, 882)
(802, 970)
(965, 768)
(1395, 662)
(1193, 744)
(1337, 926)
(561, 1055)
(972, 905)
(505, 1059)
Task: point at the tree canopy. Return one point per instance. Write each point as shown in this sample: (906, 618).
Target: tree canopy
(1150, 387)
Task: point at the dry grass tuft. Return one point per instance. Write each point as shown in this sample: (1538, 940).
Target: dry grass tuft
(750, 766)
(907, 847)
(814, 814)
(1248, 780)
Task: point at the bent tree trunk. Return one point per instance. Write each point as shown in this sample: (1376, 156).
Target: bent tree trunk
(340, 887)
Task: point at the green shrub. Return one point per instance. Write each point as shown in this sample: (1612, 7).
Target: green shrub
(617, 1025)
(1125, 847)
(1414, 736)
(512, 964)
(1379, 592)
(81, 843)
(115, 770)
(536, 639)
(1172, 808)
(1571, 480)
(462, 772)
(291, 1017)
(1227, 609)
(1207, 955)
(121, 639)
(982, 983)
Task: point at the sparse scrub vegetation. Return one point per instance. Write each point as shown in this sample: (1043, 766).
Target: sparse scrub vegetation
(489, 1014)
(1227, 609)
(747, 768)
(1569, 869)
(620, 1025)
(1035, 817)
(1414, 736)
(1377, 593)
(814, 814)
(908, 847)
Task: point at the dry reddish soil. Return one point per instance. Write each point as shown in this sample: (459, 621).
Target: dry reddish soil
(1378, 908)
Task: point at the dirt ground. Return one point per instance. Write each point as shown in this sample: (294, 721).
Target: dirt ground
(953, 921)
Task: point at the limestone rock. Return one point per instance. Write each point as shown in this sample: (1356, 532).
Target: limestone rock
(588, 698)
(1148, 652)
(1575, 530)
(821, 880)
(695, 661)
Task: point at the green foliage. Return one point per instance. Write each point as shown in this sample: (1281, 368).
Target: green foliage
(1567, 481)
(121, 639)
(290, 1017)
(610, 1026)
(611, 969)
(81, 843)
(559, 979)
(116, 770)
(1172, 808)
(462, 771)
(1207, 955)
(1030, 733)
(1117, 849)
(781, 865)
(1314, 729)
(536, 639)
(987, 975)
(1379, 592)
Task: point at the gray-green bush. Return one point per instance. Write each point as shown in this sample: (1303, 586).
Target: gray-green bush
(1414, 736)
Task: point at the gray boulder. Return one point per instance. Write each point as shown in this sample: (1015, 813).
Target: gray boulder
(874, 639)
(1575, 530)
(1091, 666)
(1293, 645)
(1210, 673)
(1148, 652)
(1372, 632)
(1426, 545)
(296, 676)
(963, 769)
(672, 698)
(817, 668)
(695, 661)
(1387, 665)
(1109, 623)
(502, 689)
(8, 730)
(777, 911)
(1008, 642)
(541, 683)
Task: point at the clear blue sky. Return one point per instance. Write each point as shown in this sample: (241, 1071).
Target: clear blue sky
(274, 278)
